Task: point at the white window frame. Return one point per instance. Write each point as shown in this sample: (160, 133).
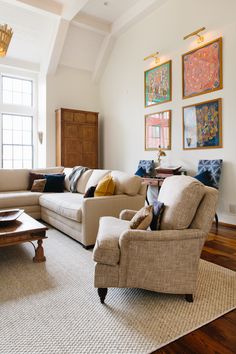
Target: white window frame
(20, 109)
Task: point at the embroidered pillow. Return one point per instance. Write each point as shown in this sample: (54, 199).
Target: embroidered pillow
(38, 185)
(142, 219)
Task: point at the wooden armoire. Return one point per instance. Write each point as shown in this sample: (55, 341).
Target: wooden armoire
(76, 138)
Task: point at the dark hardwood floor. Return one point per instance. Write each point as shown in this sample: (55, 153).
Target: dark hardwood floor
(219, 336)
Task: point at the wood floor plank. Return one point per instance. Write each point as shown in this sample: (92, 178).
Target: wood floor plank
(219, 336)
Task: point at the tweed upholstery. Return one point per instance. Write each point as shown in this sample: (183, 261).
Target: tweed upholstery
(214, 167)
(107, 249)
(181, 196)
(164, 260)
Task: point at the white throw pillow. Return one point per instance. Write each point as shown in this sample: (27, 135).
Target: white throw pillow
(125, 183)
(95, 177)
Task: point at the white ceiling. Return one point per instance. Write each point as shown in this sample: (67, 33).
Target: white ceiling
(75, 33)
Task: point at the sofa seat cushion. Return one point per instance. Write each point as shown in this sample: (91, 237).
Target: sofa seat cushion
(181, 196)
(18, 199)
(65, 204)
(106, 250)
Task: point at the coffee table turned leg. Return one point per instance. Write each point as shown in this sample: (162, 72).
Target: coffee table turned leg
(39, 253)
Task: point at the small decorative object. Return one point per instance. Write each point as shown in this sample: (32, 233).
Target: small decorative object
(202, 69)
(158, 130)
(10, 215)
(202, 125)
(5, 38)
(157, 82)
(160, 154)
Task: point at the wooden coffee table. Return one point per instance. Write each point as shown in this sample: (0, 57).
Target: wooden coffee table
(24, 229)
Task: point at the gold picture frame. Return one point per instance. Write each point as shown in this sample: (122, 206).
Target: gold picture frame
(157, 128)
(202, 125)
(158, 84)
(201, 76)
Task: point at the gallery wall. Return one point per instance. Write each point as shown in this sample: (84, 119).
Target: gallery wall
(122, 90)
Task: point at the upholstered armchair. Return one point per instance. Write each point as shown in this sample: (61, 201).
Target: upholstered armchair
(165, 260)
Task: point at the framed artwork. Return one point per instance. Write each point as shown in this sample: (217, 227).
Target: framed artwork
(202, 125)
(157, 84)
(158, 130)
(202, 69)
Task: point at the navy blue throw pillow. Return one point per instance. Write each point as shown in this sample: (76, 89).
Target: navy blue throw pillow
(55, 183)
(205, 178)
(90, 192)
(157, 210)
(140, 172)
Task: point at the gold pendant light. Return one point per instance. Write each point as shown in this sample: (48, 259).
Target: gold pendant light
(5, 38)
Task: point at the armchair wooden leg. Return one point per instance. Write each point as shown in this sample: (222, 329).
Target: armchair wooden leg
(102, 292)
(189, 297)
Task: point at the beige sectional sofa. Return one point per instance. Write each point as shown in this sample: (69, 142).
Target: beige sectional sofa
(70, 212)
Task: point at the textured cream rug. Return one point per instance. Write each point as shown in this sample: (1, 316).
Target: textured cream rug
(52, 307)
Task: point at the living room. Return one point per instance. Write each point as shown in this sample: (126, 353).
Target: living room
(89, 55)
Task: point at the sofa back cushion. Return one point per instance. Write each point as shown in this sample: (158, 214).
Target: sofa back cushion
(67, 171)
(95, 177)
(48, 170)
(83, 180)
(13, 179)
(181, 196)
(125, 183)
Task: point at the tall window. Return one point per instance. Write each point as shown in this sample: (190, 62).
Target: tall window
(16, 122)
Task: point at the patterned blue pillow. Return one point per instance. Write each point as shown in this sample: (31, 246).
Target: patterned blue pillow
(205, 178)
(140, 172)
(157, 210)
(214, 167)
(147, 165)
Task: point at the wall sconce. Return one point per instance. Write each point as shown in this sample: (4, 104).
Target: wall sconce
(155, 56)
(196, 33)
(40, 137)
(5, 38)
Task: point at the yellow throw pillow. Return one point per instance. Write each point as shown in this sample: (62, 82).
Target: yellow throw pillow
(105, 187)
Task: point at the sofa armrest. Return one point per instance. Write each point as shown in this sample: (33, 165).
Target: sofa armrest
(94, 208)
(127, 214)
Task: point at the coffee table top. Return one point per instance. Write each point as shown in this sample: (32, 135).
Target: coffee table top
(24, 224)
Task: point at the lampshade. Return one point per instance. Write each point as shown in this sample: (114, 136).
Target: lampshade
(5, 38)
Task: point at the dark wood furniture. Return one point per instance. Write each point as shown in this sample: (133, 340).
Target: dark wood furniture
(24, 229)
(76, 138)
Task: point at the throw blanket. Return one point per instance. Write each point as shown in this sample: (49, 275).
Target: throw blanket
(75, 176)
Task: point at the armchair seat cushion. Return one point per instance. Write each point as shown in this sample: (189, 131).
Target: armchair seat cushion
(107, 250)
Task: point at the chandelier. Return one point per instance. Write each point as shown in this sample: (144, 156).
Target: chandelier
(5, 38)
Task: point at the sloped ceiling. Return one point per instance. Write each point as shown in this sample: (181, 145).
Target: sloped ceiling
(76, 33)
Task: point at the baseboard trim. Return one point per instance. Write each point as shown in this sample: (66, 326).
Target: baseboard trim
(224, 224)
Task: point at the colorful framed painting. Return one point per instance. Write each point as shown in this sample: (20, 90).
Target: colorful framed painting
(202, 69)
(202, 125)
(158, 130)
(157, 84)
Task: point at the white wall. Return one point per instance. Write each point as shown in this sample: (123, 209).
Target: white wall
(68, 88)
(122, 85)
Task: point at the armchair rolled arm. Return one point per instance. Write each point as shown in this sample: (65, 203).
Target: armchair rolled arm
(127, 214)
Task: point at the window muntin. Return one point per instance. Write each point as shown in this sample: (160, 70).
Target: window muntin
(17, 141)
(17, 91)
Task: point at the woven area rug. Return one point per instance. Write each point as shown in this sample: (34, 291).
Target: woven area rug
(52, 307)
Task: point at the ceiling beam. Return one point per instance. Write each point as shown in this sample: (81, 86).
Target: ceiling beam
(49, 66)
(91, 23)
(129, 18)
(72, 8)
(49, 6)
